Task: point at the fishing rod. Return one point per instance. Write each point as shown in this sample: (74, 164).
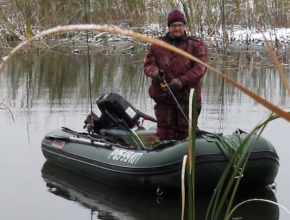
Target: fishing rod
(89, 62)
(89, 69)
(162, 75)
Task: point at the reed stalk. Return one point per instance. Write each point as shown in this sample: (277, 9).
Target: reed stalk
(3, 106)
(219, 197)
(191, 154)
(253, 200)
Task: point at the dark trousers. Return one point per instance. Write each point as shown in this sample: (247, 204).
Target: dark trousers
(171, 123)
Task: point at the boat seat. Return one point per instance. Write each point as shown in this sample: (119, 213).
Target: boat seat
(146, 136)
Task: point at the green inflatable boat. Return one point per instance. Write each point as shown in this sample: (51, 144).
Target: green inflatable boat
(112, 152)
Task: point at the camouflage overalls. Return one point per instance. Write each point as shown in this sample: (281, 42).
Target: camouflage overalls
(171, 123)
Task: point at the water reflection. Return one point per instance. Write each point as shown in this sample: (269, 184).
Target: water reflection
(54, 81)
(107, 202)
(225, 105)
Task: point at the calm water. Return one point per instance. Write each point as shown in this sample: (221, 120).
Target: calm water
(54, 92)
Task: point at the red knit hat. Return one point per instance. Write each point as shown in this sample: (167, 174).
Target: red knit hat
(174, 16)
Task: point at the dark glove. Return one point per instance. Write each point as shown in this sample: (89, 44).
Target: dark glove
(157, 74)
(161, 74)
(175, 84)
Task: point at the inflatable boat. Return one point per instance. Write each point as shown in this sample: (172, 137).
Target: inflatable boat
(117, 150)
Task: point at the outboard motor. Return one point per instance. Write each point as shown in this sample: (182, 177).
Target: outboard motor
(115, 108)
(115, 111)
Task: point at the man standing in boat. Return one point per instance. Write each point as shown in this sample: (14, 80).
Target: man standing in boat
(181, 74)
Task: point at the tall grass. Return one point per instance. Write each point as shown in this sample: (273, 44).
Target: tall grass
(223, 188)
(220, 195)
(21, 19)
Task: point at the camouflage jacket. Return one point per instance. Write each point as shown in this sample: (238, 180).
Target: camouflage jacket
(175, 65)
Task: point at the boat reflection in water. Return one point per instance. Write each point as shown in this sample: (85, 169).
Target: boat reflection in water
(108, 202)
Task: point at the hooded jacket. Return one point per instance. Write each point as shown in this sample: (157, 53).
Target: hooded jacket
(176, 65)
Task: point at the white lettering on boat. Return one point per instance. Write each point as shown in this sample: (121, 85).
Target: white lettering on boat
(125, 156)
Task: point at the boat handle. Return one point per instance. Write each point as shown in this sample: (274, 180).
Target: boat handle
(159, 191)
(239, 174)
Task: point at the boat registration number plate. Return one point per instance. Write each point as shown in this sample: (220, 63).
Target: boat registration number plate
(58, 143)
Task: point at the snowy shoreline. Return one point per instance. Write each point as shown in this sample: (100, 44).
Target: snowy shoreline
(238, 40)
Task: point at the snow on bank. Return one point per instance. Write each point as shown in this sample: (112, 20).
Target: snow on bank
(282, 34)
